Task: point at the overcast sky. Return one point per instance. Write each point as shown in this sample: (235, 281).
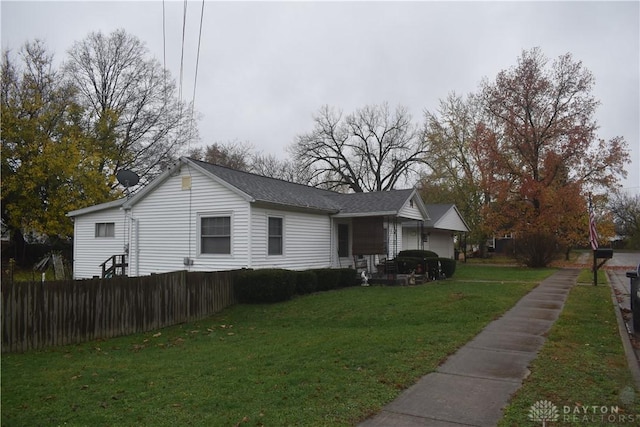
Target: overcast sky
(266, 67)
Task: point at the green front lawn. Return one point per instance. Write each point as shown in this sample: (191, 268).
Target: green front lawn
(331, 358)
(499, 273)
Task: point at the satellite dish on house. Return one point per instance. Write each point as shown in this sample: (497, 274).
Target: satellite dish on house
(127, 178)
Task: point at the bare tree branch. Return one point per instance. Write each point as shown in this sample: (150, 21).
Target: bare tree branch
(372, 149)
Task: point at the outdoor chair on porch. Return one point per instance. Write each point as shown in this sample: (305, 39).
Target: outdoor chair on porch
(360, 264)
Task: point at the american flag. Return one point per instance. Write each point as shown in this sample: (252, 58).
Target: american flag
(593, 232)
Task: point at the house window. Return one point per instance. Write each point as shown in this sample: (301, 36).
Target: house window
(275, 236)
(343, 240)
(105, 229)
(215, 235)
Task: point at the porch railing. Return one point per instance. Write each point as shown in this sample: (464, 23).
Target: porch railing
(116, 265)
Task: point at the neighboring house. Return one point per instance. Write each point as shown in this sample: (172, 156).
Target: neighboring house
(203, 217)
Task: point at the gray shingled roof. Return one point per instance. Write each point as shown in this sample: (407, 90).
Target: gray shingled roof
(375, 202)
(271, 190)
(284, 193)
(436, 212)
(276, 191)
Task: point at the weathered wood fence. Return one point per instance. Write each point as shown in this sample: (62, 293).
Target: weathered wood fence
(38, 315)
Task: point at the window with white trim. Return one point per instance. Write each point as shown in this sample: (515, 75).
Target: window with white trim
(275, 236)
(105, 229)
(215, 235)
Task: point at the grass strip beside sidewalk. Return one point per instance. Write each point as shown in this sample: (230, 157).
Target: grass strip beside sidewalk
(581, 369)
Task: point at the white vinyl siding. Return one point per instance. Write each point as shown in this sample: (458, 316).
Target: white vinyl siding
(441, 242)
(169, 222)
(90, 251)
(451, 221)
(306, 240)
(410, 210)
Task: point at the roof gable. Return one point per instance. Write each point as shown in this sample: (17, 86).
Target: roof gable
(271, 190)
(96, 208)
(381, 202)
(446, 217)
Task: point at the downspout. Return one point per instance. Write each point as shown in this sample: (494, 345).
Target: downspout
(249, 237)
(136, 246)
(395, 236)
(331, 238)
(75, 246)
(126, 239)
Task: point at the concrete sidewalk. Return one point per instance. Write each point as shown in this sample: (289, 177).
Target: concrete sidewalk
(473, 385)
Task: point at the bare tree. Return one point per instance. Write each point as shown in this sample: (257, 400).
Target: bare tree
(287, 170)
(233, 154)
(243, 156)
(372, 149)
(626, 213)
(133, 108)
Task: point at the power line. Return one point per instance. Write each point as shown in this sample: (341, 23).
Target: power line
(184, 28)
(164, 55)
(195, 79)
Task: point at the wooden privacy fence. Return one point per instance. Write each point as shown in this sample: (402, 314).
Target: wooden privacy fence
(38, 315)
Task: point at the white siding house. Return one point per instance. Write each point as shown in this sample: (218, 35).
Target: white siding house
(98, 234)
(203, 217)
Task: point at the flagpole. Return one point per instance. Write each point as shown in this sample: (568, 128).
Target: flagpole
(595, 269)
(593, 240)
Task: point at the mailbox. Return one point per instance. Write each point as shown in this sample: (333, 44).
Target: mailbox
(604, 253)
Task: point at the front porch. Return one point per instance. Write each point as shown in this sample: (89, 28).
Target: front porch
(371, 244)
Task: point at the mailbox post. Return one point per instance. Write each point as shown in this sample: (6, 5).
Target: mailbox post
(634, 277)
(600, 253)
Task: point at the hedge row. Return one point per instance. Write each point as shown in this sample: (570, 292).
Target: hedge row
(274, 284)
(419, 253)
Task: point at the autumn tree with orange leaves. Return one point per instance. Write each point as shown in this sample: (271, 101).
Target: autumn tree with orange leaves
(542, 153)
